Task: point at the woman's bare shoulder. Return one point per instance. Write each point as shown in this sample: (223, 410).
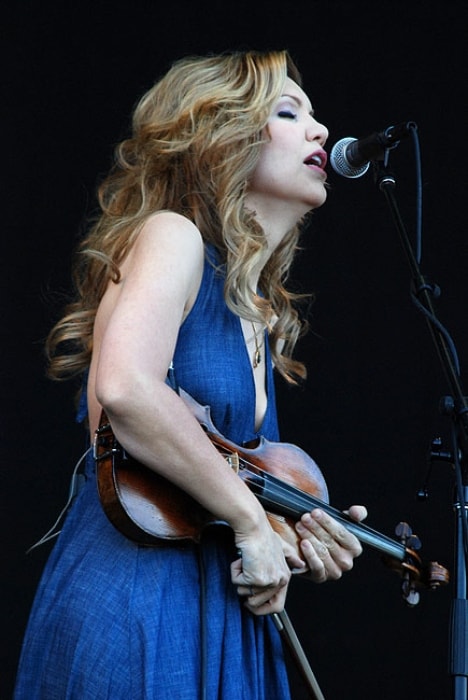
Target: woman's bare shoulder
(170, 223)
(166, 239)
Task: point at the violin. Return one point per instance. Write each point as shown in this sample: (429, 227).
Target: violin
(151, 510)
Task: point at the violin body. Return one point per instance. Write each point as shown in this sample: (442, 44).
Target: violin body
(149, 509)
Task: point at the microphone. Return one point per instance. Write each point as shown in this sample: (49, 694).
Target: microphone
(351, 157)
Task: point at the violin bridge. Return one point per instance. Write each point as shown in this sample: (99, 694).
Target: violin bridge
(233, 461)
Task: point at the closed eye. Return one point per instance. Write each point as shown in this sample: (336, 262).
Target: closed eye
(286, 114)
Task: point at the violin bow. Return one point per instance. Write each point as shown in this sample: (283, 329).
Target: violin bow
(288, 633)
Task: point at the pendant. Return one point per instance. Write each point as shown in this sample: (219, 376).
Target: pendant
(257, 358)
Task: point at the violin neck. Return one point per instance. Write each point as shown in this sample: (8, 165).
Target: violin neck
(284, 499)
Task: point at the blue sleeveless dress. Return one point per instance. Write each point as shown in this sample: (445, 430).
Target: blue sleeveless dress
(113, 620)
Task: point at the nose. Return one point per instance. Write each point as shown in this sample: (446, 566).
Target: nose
(316, 131)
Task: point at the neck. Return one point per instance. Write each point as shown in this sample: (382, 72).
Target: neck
(275, 217)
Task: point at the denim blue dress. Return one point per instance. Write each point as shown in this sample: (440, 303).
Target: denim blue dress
(114, 620)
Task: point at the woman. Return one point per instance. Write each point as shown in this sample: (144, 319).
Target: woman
(185, 268)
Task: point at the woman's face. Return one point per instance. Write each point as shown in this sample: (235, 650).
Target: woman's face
(291, 169)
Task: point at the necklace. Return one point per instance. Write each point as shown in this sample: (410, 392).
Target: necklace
(257, 356)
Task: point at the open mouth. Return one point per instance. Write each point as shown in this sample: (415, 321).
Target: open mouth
(319, 159)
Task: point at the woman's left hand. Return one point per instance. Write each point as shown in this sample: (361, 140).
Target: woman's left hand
(327, 546)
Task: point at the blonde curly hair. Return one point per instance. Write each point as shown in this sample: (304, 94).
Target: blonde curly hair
(195, 142)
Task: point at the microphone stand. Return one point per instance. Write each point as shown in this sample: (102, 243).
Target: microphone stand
(456, 407)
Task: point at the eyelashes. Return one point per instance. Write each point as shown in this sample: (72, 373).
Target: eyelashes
(286, 114)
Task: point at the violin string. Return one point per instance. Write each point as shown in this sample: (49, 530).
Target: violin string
(299, 502)
(297, 499)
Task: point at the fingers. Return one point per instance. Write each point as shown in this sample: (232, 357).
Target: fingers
(322, 566)
(264, 591)
(244, 578)
(295, 563)
(263, 601)
(260, 598)
(357, 513)
(325, 530)
(262, 560)
(328, 547)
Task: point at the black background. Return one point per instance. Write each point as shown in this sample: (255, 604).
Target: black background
(71, 74)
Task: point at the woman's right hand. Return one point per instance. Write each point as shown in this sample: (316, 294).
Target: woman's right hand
(263, 570)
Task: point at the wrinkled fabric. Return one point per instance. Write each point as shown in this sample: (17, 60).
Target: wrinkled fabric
(114, 620)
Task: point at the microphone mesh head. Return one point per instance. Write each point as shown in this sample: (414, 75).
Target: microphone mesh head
(339, 162)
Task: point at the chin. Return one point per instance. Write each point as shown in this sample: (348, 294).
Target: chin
(317, 201)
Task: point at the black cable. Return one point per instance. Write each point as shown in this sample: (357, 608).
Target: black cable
(417, 156)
